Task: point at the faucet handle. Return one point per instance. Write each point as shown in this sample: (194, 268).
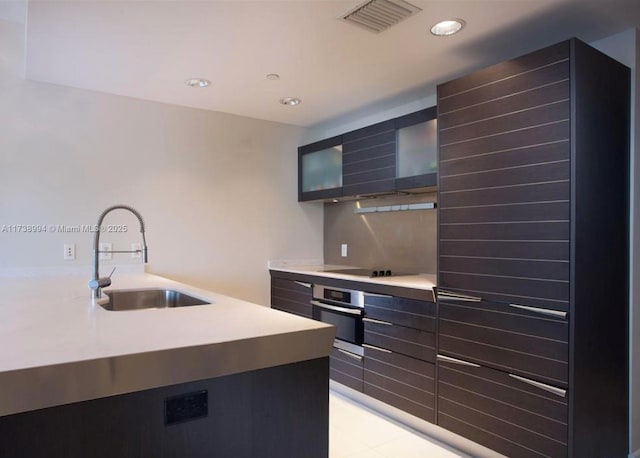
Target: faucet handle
(102, 282)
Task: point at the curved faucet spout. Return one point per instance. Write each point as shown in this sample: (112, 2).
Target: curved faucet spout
(96, 283)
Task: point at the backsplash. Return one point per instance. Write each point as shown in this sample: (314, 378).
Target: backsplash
(403, 241)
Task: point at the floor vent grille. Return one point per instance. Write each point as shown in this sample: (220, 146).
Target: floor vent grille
(378, 15)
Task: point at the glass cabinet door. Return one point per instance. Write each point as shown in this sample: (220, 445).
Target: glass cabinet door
(322, 169)
(418, 149)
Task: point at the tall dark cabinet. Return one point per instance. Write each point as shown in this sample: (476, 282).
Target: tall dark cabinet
(533, 254)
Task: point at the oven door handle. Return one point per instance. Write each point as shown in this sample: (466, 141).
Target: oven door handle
(335, 308)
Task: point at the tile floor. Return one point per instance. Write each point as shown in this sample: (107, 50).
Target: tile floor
(357, 432)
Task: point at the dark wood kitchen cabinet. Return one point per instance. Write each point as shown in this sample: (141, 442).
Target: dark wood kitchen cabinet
(291, 296)
(399, 154)
(346, 367)
(276, 412)
(500, 411)
(400, 352)
(320, 170)
(369, 159)
(417, 151)
(533, 254)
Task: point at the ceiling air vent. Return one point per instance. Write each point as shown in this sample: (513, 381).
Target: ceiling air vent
(379, 15)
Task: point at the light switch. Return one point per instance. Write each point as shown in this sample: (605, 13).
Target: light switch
(69, 251)
(343, 250)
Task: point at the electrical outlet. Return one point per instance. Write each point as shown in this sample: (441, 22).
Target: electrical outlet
(343, 250)
(106, 246)
(134, 247)
(69, 251)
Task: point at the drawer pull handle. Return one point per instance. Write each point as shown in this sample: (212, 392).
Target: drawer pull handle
(448, 359)
(378, 295)
(440, 294)
(541, 311)
(348, 353)
(301, 283)
(371, 320)
(543, 386)
(371, 347)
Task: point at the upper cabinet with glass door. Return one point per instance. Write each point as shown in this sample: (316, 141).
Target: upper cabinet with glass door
(417, 150)
(395, 155)
(320, 170)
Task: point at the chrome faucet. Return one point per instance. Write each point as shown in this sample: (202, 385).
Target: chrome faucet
(97, 283)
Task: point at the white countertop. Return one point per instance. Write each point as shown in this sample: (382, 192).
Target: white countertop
(419, 281)
(56, 347)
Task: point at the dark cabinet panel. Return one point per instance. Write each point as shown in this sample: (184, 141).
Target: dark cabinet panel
(346, 368)
(508, 69)
(536, 78)
(516, 249)
(532, 136)
(399, 339)
(500, 160)
(291, 296)
(385, 160)
(558, 190)
(250, 414)
(543, 270)
(401, 381)
(521, 101)
(362, 150)
(358, 148)
(508, 338)
(507, 122)
(512, 288)
(529, 231)
(504, 413)
(504, 177)
(400, 311)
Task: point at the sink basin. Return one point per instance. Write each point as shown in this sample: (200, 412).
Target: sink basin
(148, 299)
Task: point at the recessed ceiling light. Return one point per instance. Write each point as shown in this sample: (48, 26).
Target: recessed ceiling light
(291, 101)
(273, 76)
(197, 82)
(448, 27)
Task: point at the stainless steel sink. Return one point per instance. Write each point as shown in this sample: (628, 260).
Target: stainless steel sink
(119, 300)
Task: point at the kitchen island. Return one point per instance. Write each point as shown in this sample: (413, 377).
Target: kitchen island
(78, 380)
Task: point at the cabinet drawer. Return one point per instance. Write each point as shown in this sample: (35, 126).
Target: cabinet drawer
(399, 339)
(401, 311)
(403, 382)
(507, 338)
(501, 412)
(346, 368)
(291, 296)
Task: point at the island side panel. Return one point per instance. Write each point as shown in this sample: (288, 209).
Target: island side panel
(274, 412)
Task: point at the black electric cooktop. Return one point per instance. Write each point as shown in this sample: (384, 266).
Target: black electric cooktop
(371, 273)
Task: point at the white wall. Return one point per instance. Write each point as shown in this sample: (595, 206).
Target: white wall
(218, 192)
(625, 47)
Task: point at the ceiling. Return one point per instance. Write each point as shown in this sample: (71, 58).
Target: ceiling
(146, 49)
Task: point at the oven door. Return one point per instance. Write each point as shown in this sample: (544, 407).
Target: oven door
(347, 320)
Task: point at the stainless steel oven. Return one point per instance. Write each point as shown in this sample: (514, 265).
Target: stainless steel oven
(343, 308)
